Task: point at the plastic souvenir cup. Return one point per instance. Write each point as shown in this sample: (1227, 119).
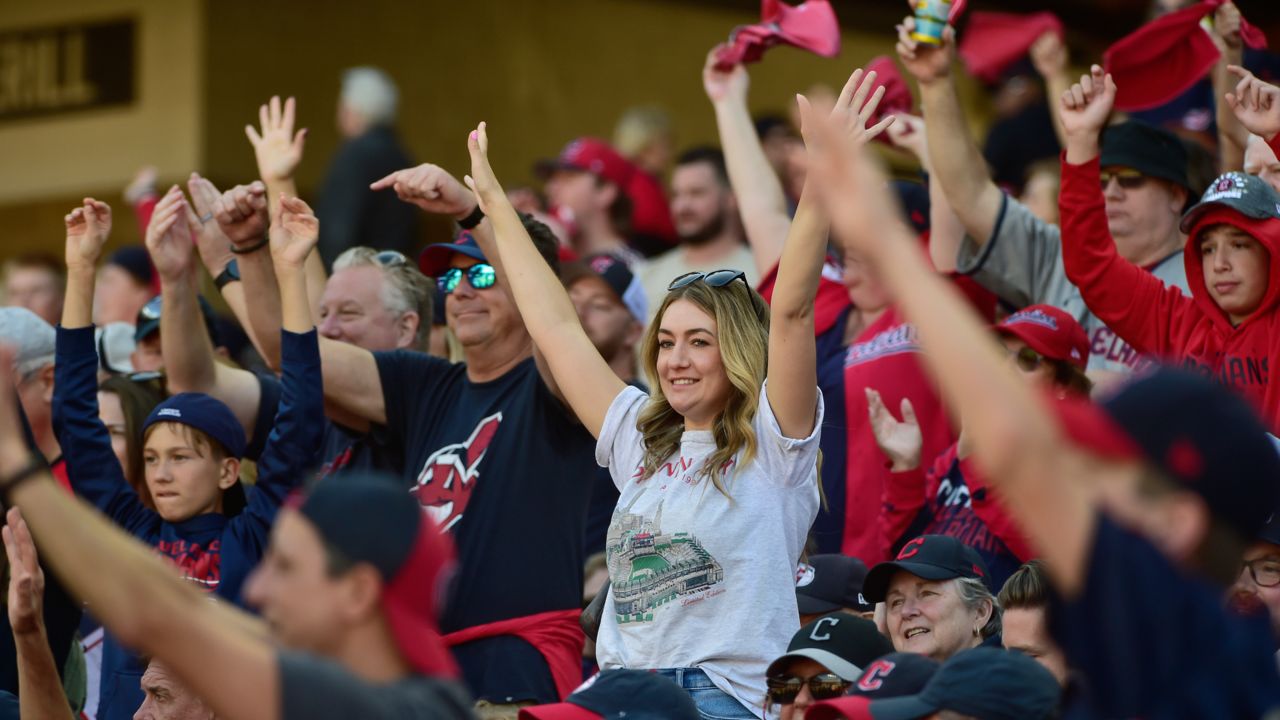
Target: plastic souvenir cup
(931, 19)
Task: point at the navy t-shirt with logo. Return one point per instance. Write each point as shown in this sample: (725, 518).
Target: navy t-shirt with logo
(508, 470)
(1152, 642)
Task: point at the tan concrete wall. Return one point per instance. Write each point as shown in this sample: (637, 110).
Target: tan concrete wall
(47, 162)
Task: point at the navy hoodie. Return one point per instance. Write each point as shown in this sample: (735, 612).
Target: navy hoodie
(212, 550)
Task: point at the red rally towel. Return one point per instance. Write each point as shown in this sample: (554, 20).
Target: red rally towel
(993, 41)
(1164, 58)
(811, 26)
(555, 634)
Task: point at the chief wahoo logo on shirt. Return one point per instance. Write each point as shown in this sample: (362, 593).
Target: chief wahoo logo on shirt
(449, 476)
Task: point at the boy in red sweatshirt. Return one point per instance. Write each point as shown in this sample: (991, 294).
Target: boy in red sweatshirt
(1229, 327)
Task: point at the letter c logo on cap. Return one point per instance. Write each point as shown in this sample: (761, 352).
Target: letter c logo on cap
(911, 549)
(817, 635)
(873, 677)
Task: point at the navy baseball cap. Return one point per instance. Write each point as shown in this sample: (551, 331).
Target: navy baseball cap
(615, 273)
(618, 694)
(435, 258)
(840, 642)
(135, 261)
(984, 683)
(1206, 438)
(204, 413)
(148, 320)
(369, 518)
(932, 557)
(1152, 151)
(828, 583)
(895, 675)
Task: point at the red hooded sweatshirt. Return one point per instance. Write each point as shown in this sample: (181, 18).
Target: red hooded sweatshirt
(1161, 321)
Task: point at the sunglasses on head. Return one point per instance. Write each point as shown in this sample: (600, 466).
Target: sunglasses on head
(715, 278)
(151, 311)
(390, 258)
(481, 276)
(783, 689)
(1128, 178)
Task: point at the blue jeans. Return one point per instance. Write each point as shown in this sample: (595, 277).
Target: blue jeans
(713, 703)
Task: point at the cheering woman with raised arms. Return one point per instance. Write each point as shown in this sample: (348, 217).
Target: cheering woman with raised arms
(717, 468)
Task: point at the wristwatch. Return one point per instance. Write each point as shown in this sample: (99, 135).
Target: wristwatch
(471, 221)
(229, 274)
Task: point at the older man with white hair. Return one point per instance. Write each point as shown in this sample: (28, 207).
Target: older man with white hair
(350, 213)
(32, 340)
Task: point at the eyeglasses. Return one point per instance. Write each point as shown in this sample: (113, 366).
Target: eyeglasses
(783, 689)
(151, 311)
(1264, 571)
(1028, 360)
(390, 258)
(481, 276)
(1128, 178)
(715, 278)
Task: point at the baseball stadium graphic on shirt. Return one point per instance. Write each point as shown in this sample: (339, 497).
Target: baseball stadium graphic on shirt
(449, 475)
(650, 568)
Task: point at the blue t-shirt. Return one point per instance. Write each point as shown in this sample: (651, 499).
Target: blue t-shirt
(1154, 643)
(827, 532)
(508, 469)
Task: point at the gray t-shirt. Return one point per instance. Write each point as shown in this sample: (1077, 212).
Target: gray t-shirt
(1022, 264)
(699, 579)
(313, 688)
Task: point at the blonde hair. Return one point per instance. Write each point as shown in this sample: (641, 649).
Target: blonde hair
(742, 322)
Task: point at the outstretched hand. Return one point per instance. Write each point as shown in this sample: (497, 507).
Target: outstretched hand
(211, 241)
(1255, 103)
(724, 85)
(277, 147)
(88, 228)
(901, 442)
(169, 235)
(908, 133)
(431, 188)
(241, 213)
(482, 180)
(853, 109)
(1049, 55)
(295, 234)
(1087, 105)
(926, 63)
(26, 579)
(853, 188)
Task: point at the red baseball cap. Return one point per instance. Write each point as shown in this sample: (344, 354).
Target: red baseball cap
(1050, 332)
(593, 155)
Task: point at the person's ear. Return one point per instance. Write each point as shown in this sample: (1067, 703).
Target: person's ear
(607, 193)
(228, 472)
(635, 333)
(46, 384)
(407, 330)
(361, 587)
(1186, 524)
(1177, 198)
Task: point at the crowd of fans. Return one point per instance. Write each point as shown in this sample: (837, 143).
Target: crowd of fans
(747, 431)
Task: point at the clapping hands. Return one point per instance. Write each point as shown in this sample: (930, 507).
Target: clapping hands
(88, 228)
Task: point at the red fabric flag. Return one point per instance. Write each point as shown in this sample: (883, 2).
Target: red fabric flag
(994, 41)
(1164, 58)
(811, 26)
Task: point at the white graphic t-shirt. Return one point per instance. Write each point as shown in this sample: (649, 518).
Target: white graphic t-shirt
(699, 579)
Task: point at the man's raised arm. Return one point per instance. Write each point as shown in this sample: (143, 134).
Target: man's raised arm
(958, 165)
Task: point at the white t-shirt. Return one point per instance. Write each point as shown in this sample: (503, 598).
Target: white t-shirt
(698, 579)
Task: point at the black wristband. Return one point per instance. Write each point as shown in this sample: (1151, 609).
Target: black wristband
(252, 248)
(471, 221)
(229, 274)
(31, 470)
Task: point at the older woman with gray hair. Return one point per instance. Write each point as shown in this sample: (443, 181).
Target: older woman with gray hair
(936, 600)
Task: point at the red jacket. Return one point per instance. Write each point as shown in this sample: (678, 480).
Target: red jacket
(1161, 321)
